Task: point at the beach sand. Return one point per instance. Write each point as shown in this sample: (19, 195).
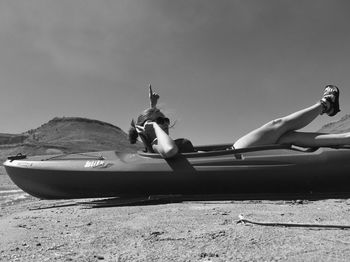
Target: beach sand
(54, 230)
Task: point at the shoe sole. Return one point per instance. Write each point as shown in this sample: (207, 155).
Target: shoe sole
(335, 104)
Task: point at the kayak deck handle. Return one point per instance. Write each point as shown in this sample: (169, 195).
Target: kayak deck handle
(17, 157)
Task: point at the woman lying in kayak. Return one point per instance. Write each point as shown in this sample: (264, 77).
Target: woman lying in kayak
(153, 128)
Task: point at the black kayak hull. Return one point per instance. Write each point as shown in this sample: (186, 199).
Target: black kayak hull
(257, 170)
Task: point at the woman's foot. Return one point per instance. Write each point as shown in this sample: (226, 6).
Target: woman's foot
(330, 100)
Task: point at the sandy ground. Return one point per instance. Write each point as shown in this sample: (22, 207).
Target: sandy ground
(42, 230)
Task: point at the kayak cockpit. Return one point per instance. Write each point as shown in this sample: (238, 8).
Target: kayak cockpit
(226, 149)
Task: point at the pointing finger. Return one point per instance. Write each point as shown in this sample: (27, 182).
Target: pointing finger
(150, 89)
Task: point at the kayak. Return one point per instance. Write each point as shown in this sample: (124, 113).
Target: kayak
(213, 169)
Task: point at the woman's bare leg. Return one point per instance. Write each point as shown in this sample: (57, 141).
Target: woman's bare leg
(271, 132)
(314, 139)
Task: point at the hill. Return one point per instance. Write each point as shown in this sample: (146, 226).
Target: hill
(340, 126)
(66, 135)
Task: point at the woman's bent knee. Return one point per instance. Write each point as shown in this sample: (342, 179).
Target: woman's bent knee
(274, 124)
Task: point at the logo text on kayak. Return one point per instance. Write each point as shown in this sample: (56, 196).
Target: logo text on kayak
(96, 164)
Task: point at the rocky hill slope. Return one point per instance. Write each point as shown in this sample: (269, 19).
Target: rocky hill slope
(341, 126)
(66, 135)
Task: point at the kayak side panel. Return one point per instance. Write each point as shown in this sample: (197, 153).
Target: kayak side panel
(45, 184)
(324, 171)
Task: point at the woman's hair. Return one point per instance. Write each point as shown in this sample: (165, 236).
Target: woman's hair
(142, 118)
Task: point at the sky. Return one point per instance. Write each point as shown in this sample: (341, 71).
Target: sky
(221, 68)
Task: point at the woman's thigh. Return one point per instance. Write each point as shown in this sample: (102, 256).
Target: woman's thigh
(265, 135)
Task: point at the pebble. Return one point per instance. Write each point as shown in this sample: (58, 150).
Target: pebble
(226, 222)
(156, 233)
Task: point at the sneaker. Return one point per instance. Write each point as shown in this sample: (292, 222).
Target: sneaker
(330, 100)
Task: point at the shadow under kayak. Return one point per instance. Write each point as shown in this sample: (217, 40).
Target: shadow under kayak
(213, 170)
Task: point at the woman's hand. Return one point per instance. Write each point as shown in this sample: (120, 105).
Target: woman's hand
(153, 97)
(165, 146)
(147, 128)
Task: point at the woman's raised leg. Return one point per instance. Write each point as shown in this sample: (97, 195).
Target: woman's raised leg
(271, 132)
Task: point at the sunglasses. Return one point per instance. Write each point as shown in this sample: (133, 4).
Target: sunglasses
(162, 120)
